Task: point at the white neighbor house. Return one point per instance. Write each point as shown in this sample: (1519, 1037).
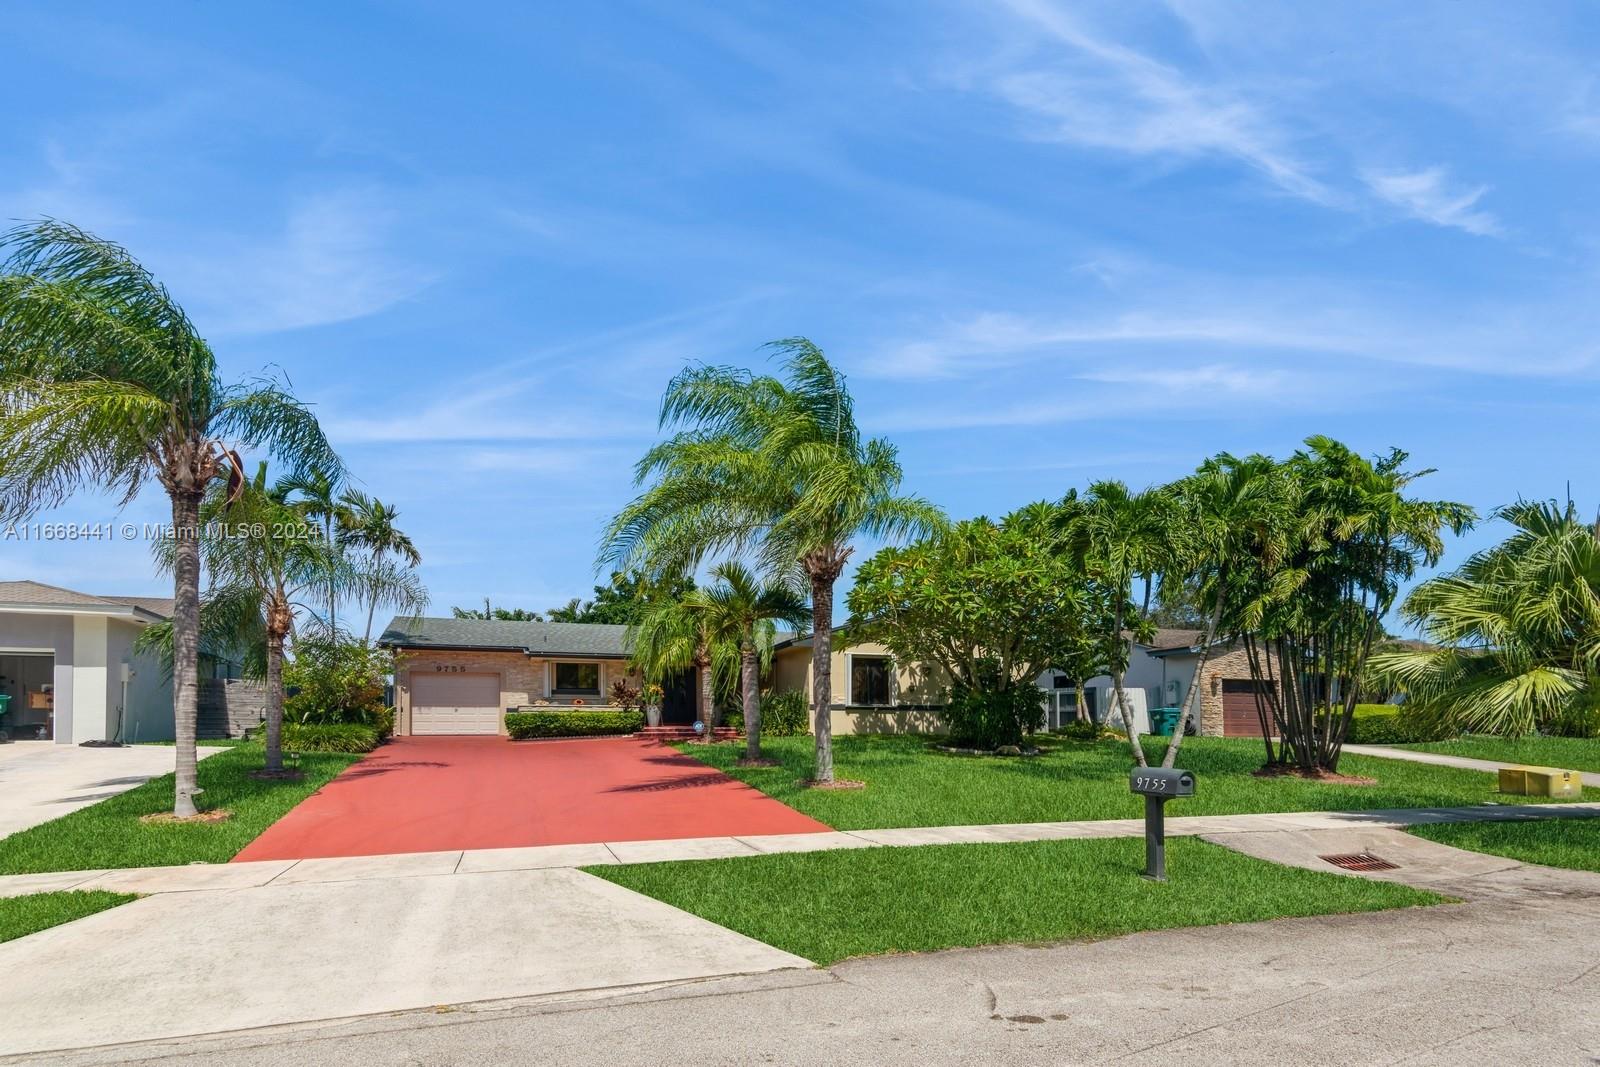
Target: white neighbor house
(1159, 675)
(68, 664)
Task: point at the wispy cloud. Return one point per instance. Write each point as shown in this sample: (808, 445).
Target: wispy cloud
(1102, 94)
(1427, 195)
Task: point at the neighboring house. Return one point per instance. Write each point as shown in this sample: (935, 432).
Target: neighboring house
(460, 676)
(1160, 675)
(67, 663)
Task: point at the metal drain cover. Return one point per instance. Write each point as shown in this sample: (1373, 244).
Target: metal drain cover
(1360, 861)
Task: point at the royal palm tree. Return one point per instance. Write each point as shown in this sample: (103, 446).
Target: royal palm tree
(775, 468)
(106, 384)
(369, 525)
(1517, 629)
(1119, 535)
(740, 611)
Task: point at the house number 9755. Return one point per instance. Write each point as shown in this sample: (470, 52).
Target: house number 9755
(449, 668)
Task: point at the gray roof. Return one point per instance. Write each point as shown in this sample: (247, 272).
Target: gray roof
(598, 640)
(39, 595)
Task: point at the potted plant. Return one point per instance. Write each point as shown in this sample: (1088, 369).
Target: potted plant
(651, 696)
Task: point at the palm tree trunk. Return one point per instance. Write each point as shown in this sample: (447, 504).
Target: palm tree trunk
(1122, 700)
(822, 675)
(751, 677)
(372, 607)
(1080, 705)
(1193, 695)
(274, 736)
(708, 709)
(185, 648)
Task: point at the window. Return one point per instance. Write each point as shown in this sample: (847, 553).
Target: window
(578, 678)
(869, 680)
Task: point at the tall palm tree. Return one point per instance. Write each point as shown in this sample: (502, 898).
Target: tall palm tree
(369, 525)
(1517, 630)
(777, 468)
(106, 384)
(740, 611)
(315, 495)
(1120, 535)
(1229, 509)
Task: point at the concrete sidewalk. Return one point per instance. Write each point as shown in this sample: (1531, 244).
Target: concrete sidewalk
(1591, 779)
(206, 877)
(41, 780)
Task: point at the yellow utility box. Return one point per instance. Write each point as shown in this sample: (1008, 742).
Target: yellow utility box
(1541, 782)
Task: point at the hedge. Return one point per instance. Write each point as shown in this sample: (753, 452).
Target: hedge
(330, 737)
(1393, 724)
(522, 725)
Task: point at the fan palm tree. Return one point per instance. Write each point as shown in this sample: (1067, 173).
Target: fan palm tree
(777, 469)
(369, 525)
(1119, 535)
(106, 384)
(740, 611)
(1517, 629)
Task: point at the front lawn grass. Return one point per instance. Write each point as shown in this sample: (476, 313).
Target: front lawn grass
(20, 916)
(912, 783)
(1571, 843)
(109, 834)
(829, 906)
(1568, 753)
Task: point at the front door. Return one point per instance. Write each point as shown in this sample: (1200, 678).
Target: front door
(678, 699)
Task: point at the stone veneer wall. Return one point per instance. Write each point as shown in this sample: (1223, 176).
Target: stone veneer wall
(1228, 663)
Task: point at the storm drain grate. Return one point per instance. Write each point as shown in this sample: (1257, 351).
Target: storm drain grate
(1360, 861)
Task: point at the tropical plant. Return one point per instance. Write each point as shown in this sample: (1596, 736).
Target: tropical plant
(1309, 616)
(1118, 536)
(1516, 630)
(772, 467)
(622, 600)
(740, 610)
(497, 614)
(314, 493)
(369, 526)
(106, 384)
(335, 680)
(668, 637)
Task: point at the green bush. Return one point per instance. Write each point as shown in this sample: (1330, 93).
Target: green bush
(330, 737)
(337, 681)
(1394, 724)
(785, 714)
(991, 718)
(1084, 730)
(524, 724)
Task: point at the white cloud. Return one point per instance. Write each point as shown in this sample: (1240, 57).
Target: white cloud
(1426, 195)
(1105, 95)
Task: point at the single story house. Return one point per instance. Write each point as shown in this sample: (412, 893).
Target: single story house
(1160, 675)
(68, 664)
(460, 676)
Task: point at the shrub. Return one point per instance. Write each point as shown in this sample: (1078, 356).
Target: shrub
(335, 681)
(524, 724)
(1394, 724)
(991, 718)
(1084, 730)
(624, 694)
(330, 737)
(785, 714)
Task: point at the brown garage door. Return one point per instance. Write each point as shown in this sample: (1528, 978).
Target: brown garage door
(1239, 716)
(455, 703)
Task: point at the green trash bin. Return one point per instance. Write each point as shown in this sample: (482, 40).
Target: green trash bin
(5, 706)
(1164, 720)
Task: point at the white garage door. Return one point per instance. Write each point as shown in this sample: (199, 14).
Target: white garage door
(455, 704)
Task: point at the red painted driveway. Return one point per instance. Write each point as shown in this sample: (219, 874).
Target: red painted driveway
(439, 794)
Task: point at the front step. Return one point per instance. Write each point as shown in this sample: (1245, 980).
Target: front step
(684, 733)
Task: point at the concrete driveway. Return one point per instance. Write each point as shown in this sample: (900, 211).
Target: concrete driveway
(440, 794)
(229, 959)
(41, 780)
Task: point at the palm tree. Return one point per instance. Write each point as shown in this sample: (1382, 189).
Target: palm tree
(668, 636)
(106, 384)
(777, 468)
(369, 525)
(740, 611)
(1229, 509)
(1119, 535)
(1517, 629)
(319, 501)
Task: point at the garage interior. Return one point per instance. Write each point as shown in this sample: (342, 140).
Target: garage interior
(29, 680)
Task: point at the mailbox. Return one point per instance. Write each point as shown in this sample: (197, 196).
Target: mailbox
(1161, 782)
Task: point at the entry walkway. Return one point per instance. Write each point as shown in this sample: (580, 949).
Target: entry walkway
(249, 875)
(1591, 779)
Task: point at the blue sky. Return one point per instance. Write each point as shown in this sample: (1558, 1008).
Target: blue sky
(1048, 243)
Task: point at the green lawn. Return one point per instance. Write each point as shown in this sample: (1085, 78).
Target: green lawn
(109, 834)
(910, 783)
(1572, 843)
(20, 916)
(828, 906)
(1568, 753)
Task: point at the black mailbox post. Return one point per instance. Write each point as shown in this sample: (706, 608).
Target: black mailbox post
(1158, 785)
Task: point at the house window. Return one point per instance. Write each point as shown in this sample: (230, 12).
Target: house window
(578, 678)
(869, 681)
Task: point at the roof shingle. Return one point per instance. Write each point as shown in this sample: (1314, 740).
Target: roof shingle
(536, 638)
